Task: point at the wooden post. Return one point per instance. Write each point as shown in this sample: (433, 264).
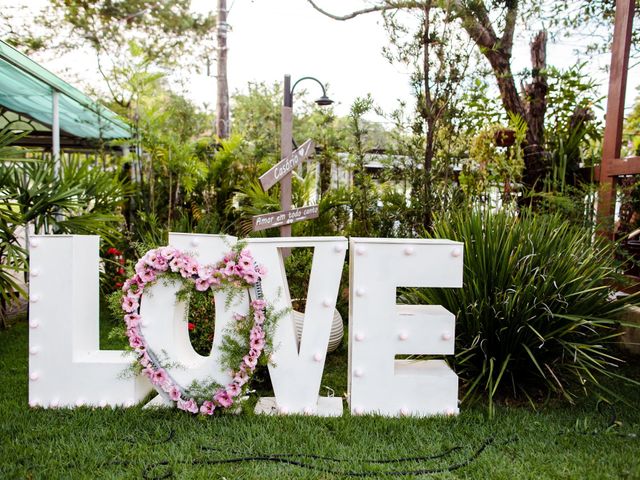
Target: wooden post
(615, 114)
(222, 101)
(286, 147)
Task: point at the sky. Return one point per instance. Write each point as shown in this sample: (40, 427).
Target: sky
(271, 38)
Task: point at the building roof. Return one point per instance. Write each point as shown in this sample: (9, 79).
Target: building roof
(26, 99)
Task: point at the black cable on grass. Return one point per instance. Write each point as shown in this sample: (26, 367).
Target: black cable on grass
(332, 459)
(287, 459)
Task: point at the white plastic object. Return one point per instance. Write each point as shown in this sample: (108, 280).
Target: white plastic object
(296, 380)
(421, 387)
(65, 326)
(164, 318)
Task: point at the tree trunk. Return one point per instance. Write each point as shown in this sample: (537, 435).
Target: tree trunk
(532, 108)
(428, 116)
(222, 103)
(325, 172)
(536, 107)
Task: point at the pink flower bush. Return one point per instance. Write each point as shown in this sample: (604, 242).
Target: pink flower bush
(236, 269)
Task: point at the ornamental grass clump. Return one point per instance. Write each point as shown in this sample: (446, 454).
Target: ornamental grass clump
(536, 314)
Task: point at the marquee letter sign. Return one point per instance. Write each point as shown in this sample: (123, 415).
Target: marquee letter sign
(379, 329)
(68, 369)
(66, 366)
(297, 369)
(168, 332)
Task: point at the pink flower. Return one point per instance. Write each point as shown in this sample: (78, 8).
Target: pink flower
(259, 304)
(135, 341)
(168, 252)
(256, 332)
(137, 293)
(147, 275)
(258, 320)
(189, 269)
(207, 408)
(150, 258)
(250, 277)
(133, 332)
(176, 264)
(254, 353)
(130, 304)
(188, 405)
(145, 360)
(132, 320)
(148, 372)
(159, 377)
(230, 268)
(241, 378)
(238, 318)
(202, 285)
(257, 344)
(205, 272)
(175, 394)
(140, 265)
(160, 263)
(223, 399)
(250, 362)
(246, 262)
(128, 283)
(234, 389)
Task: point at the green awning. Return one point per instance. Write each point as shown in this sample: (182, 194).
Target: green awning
(26, 89)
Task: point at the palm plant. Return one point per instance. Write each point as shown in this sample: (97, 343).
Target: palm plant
(77, 199)
(535, 314)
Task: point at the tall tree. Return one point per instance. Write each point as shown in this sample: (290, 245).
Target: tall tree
(492, 29)
(428, 43)
(165, 34)
(222, 103)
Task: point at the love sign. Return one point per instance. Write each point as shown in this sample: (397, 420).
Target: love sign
(67, 367)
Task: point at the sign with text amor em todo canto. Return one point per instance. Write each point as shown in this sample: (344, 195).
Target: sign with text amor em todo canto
(277, 219)
(68, 369)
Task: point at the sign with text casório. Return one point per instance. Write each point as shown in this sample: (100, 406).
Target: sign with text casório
(277, 219)
(286, 165)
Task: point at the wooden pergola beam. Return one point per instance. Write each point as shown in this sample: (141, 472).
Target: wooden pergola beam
(612, 165)
(623, 166)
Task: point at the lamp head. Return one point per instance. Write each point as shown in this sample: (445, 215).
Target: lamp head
(324, 101)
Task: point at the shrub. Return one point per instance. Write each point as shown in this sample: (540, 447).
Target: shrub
(535, 315)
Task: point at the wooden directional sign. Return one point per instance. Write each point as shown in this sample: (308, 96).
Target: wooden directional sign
(286, 165)
(277, 219)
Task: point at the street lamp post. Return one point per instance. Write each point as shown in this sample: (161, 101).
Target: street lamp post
(286, 139)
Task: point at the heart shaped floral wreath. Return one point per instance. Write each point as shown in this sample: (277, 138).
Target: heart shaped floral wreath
(242, 347)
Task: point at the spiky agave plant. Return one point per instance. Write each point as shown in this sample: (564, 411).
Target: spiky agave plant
(535, 314)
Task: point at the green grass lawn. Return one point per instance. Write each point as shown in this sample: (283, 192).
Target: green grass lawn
(558, 442)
